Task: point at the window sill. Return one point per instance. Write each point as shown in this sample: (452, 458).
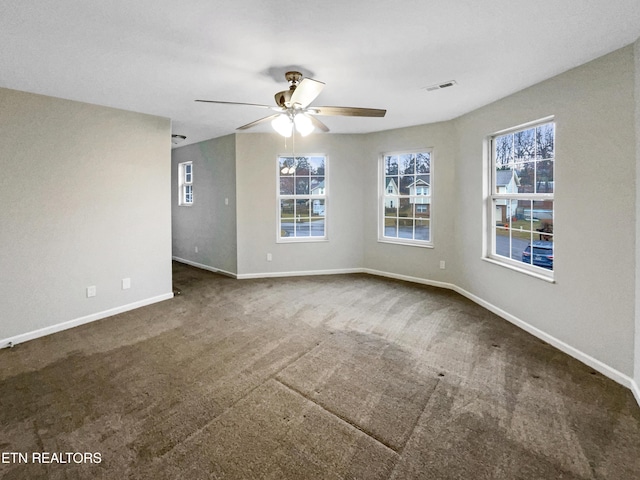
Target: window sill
(405, 244)
(301, 240)
(540, 276)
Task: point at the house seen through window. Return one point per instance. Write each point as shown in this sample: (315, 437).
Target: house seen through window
(302, 198)
(406, 200)
(521, 202)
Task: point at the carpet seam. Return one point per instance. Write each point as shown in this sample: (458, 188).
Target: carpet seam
(270, 377)
(340, 417)
(424, 408)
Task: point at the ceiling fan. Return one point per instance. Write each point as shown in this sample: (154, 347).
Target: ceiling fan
(294, 112)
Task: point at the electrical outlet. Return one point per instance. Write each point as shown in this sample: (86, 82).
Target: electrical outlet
(269, 257)
(91, 291)
(196, 249)
(126, 283)
(442, 264)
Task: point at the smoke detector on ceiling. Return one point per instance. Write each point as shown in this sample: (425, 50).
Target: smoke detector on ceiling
(440, 86)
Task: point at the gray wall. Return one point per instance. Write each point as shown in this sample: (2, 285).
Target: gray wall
(591, 305)
(85, 201)
(257, 206)
(210, 223)
(412, 261)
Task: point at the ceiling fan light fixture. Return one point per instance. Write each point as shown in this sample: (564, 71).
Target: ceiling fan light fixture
(303, 123)
(283, 125)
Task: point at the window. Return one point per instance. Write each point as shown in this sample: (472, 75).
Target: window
(185, 183)
(521, 202)
(302, 198)
(406, 203)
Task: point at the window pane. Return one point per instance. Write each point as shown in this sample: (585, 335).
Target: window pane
(317, 227)
(391, 165)
(286, 166)
(302, 209)
(545, 141)
(524, 144)
(423, 163)
(317, 165)
(317, 186)
(286, 209)
(318, 207)
(391, 227)
(407, 164)
(544, 176)
(391, 207)
(506, 180)
(286, 185)
(405, 208)
(302, 228)
(503, 150)
(422, 207)
(391, 185)
(405, 228)
(302, 185)
(286, 218)
(303, 166)
(406, 181)
(422, 229)
(524, 178)
(543, 219)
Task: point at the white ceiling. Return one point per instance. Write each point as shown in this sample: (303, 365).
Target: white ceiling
(158, 56)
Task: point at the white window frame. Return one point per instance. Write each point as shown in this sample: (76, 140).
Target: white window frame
(185, 184)
(383, 196)
(492, 196)
(324, 196)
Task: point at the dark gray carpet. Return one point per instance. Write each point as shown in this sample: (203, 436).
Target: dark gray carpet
(329, 377)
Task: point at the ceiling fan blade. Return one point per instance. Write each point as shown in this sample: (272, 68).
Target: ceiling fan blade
(349, 111)
(257, 122)
(306, 92)
(279, 109)
(318, 124)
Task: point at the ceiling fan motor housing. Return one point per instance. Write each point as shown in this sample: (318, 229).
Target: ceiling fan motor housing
(283, 99)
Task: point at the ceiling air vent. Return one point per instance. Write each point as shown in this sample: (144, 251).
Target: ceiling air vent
(439, 86)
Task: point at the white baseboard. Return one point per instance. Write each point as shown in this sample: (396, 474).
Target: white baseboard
(305, 273)
(635, 390)
(601, 367)
(408, 278)
(205, 267)
(594, 363)
(23, 337)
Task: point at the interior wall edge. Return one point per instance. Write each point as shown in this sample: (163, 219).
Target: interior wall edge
(49, 330)
(205, 267)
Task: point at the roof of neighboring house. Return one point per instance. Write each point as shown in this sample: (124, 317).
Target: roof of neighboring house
(388, 180)
(503, 177)
(318, 186)
(419, 182)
